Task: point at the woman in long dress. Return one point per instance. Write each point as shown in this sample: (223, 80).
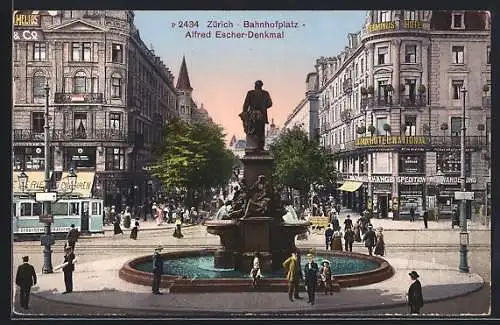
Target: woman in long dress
(380, 245)
(159, 215)
(357, 232)
(116, 226)
(337, 241)
(133, 232)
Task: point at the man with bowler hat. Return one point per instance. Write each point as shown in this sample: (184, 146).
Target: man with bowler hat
(311, 278)
(157, 270)
(415, 298)
(25, 278)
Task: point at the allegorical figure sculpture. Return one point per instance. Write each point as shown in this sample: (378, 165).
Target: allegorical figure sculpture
(254, 115)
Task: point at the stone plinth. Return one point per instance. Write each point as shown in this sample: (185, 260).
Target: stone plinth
(257, 163)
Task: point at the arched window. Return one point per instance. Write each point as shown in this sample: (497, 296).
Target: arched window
(39, 81)
(79, 82)
(116, 85)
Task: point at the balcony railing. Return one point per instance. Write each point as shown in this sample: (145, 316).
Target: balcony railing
(68, 98)
(71, 135)
(486, 101)
(413, 101)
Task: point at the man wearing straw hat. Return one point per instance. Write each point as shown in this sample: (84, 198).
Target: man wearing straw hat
(414, 296)
(157, 270)
(311, 277)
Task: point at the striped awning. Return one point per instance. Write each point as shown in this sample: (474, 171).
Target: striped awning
(350, 186)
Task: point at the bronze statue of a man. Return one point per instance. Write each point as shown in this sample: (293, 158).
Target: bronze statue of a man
(254, 115)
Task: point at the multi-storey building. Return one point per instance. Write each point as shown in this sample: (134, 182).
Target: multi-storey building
(390, 109)
(272, 133)
(109, 99)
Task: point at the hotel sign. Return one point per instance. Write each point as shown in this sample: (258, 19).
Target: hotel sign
(388, 25)
(391, 140)
(26, 20)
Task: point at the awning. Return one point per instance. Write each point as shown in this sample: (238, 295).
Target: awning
(84, 182)
(36, 182)
(350, 186)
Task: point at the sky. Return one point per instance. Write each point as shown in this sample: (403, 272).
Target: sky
(221, 71)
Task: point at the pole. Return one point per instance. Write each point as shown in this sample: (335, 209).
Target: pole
(464, 267)
(47, 237)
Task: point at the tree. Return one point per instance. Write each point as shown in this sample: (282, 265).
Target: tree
(300, 162)
(187, 157)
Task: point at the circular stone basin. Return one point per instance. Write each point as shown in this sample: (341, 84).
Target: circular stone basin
(202, 267)
(193, 271)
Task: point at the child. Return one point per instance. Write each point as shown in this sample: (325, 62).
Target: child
(326, 277)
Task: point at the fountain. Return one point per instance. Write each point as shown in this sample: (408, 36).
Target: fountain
(258, 223)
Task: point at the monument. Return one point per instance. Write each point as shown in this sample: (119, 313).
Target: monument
(255, 223)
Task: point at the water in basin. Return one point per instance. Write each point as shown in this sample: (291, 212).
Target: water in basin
(202, 267)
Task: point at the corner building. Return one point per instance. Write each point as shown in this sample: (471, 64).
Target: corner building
(391, 111)
(110, 97)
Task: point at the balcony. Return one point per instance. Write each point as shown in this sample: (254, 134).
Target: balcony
(86, 98)
(27, 135)
(413, 101)
(376, 102)
(486, 101)
(347, 86)
(88, 135)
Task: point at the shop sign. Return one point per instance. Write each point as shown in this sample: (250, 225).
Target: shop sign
(414, 24)
(26, 20)
(27, 35)
(411, 179)
(391, 140)
(388, 25)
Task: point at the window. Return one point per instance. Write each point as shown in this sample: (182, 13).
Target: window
(457, 21)
(114, 121)
(382, 90)
(449, 162)
(80, 125)
(116, 86)
(488, 55)
(380, 125)
(96, 209)
(60, 209)
(382, 54)
(410, 15)
(37, 122)
(25, 209)
(79, 83)
(411, 86)
(457, 85)
(458, 54)
(456, 126)
(39, 49)
(411, 125)
(87, 52)
(410, 54)
(39, 81)
(75, 52)
(362, 64)
(117, 53)
(385, 16)
(94, 85)
(37, 209)
(115, 159)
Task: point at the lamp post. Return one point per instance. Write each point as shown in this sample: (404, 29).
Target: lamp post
(464, 236)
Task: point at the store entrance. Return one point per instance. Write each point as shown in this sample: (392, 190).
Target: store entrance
(383, 205)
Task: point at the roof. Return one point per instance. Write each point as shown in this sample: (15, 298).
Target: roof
(183, 80)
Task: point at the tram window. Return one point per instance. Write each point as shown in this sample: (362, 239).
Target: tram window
(73, 208)
(95, 207)
(60, 209)
(25, 209)
(37, 209)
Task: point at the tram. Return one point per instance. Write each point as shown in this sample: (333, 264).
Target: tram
(86, 214)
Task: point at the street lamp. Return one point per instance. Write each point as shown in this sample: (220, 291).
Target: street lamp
(464, 236)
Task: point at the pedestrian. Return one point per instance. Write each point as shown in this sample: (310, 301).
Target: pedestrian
(369, 239)
(159, 214)
(127, 217)
(335, 222)
(426, 218)
(349, 239)
(357, 232)
(414, 296)
(290, 267)
(135, 230)
(412, 213)
(298, 276)
(177, 231)
(311, 278)
(326, 277)
(68, 267)
(165, 211)
(380, 245)
(328, 236)
(337, 241)
(157, 271)
(72, 237)
(25, 279)
(116, 226)
(347, 222)
(255, 273)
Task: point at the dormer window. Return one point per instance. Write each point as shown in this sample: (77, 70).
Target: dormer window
(385, 16)
(457, 20)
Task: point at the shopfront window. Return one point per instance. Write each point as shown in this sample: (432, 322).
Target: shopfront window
(411, 164)
(115, 159)
(449, 162)
(29, 158)
(81, 157)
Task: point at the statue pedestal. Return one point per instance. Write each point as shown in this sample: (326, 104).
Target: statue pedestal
(255, 236)
(257, 163)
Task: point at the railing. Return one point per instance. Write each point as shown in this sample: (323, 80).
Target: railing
(375, 102)
(27, 135)
(89, 98)
(413, 101)
(487, 101)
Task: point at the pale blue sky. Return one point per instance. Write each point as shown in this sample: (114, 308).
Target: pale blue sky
(222, 70)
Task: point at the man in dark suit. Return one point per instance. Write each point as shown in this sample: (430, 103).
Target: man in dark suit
(426, 218)
(370, 239)
(311, 278)
(412, 213)
(328, 236)
(415, 298)
(348, 223)
(68, 268)
(72, 237)
(157, 271)
(25, 278)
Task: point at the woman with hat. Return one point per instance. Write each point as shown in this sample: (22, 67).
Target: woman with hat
(337, 241)
(380, 245)
(357, 231)
(326, 276)
(414, 296)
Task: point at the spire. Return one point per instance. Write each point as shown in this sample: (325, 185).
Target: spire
(233, 140)
(183, 80)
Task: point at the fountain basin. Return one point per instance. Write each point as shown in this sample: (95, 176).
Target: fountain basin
(136, 271)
